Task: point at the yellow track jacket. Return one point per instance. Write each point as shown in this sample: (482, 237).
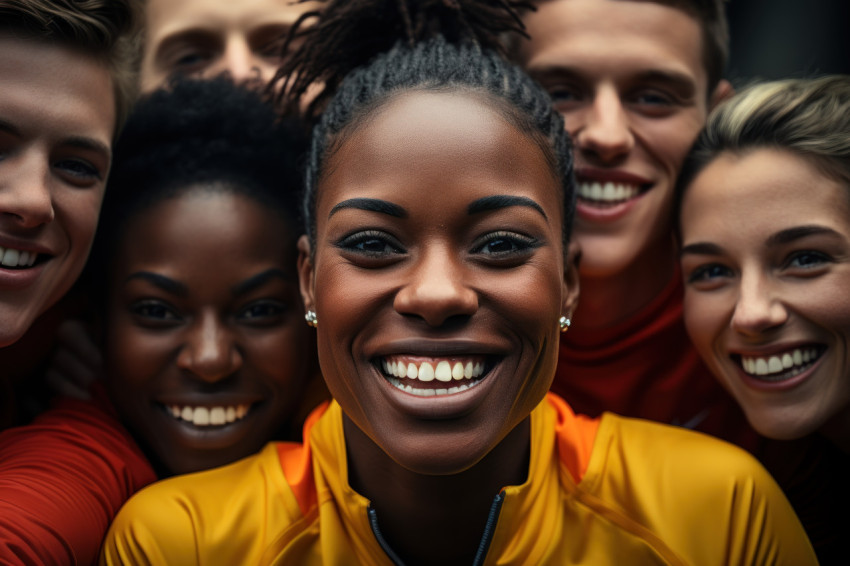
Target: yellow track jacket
(607, 491)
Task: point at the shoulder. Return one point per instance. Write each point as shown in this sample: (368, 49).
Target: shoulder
(672, 482)
(209, 513)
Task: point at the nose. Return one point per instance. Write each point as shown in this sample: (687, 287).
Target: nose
(604, 131)
(25, 193)
(239, 60)
(437, 290)
(209, 352)
(757, 309)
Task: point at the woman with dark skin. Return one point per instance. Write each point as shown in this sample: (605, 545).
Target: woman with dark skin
(206, 356)
(437, 272)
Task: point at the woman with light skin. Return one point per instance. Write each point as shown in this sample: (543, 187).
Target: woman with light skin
(765, 234)
(437, 272)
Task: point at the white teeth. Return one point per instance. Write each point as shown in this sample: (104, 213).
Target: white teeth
(412, 371)
(16, 258)
(422, 392)
(791, 362)
(426, 372)
(443, 371)
(607, 192)
(457, 371)
(208, 416)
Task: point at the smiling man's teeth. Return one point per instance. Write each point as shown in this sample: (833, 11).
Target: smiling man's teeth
(10, 257)
(209, 416)
(783, 366)
(607, 192)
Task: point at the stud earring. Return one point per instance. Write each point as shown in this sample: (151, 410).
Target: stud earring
(311, 319)
(564, 323)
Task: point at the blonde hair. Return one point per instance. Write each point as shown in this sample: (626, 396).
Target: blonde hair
(809, 117)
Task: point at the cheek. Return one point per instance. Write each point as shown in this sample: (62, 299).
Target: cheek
(78, 213)
(705, 319)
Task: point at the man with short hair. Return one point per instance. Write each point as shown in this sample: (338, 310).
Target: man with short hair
(634, 81)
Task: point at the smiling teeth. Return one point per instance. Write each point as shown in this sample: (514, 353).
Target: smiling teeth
(16, 258)
(784, 365)
(422, 392)
(444, 371)
(607, 192)
(209, 416)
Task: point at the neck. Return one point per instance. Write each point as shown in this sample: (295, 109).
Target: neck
(429, 519)
(837, 430)
(608, 300)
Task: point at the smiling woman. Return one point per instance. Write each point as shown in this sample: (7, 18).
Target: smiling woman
(765, 231)
(437, 269)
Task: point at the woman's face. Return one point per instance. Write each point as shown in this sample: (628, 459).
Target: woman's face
(57, 117)
(438, 278)
(766, 262)
(206, 346)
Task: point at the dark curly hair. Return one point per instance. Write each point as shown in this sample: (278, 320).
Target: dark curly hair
(106, 30)
(365, 52)
(208, 135)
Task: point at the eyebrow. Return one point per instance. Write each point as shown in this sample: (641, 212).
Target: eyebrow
(258, 280)
(701, 248)
(371, 205)
(81, 142)
(791, 234)
(497, 202)
(165, 283)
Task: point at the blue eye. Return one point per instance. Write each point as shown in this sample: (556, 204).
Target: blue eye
(807, 259)
(708, 273)
(78, 171)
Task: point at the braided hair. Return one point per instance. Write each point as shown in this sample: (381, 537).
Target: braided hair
(365, 52)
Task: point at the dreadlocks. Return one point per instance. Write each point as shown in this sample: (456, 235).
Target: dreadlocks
(367, 51)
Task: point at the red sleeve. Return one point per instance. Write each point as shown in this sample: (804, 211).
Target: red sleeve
(62, 479)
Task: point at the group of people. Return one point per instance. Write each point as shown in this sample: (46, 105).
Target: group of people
(417, 282)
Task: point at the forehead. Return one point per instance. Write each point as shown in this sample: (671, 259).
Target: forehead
(55, 89)
(613, 37)
(761, 191)
(433, 140)
(207, 221)
(166, 17)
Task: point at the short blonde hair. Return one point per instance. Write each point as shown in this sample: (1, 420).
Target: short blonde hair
(809, 117)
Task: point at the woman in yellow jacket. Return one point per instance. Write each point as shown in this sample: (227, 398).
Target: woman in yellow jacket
(437, 271)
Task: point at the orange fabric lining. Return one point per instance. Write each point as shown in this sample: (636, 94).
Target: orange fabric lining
(297, 464)
(576, 435)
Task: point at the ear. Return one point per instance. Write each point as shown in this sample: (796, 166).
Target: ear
(722, 91)
(306, 273)
(571, 279)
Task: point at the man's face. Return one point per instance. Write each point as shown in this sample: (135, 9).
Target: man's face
(57, 117)
(629, 79)
(208, 37)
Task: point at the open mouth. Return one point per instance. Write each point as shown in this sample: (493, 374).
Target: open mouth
(608, 194)
(11, 258)
(427, 377)
(203, 416)
(782, 365)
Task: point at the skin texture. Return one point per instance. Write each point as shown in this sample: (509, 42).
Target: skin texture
(758, 285)
(208, 37)
(628, 78)
(57, 118)
(434, 281)
(186, 334)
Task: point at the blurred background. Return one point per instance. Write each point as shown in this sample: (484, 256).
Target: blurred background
(774, 39)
